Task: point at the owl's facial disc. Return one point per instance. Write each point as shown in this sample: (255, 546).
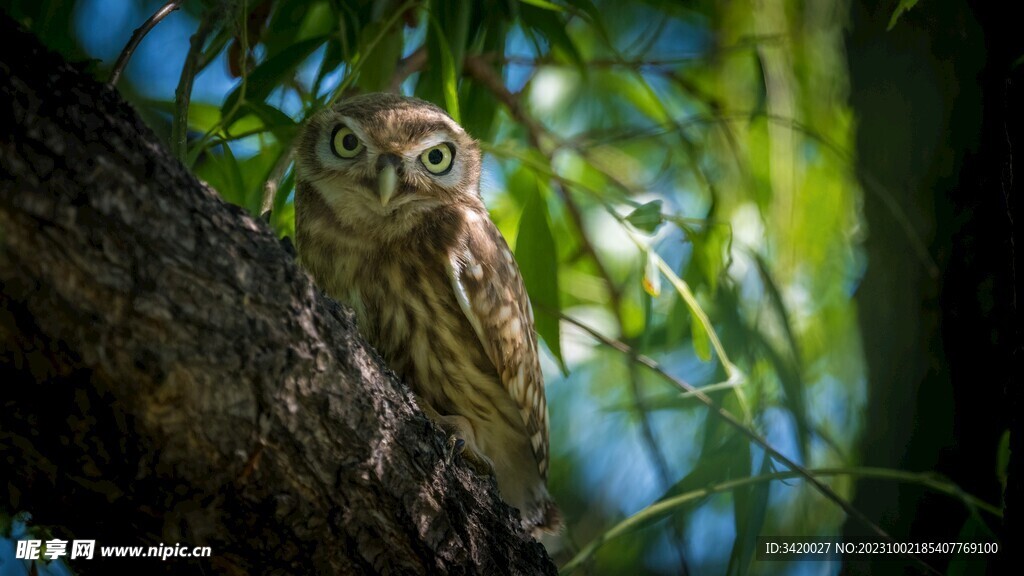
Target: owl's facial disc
(372, 165)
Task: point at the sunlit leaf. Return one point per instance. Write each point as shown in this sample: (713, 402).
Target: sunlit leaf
(652, 276)
(647, 217)
(901, 8)
(447, 36)
(450, 82)
(709, 252)
(293, 21)
(701, 342)
(538, 262)
(699, 317)
(202, 117)
(639, 94)
(543, 4)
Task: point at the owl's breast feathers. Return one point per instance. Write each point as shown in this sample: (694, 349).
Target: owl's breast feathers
(447, 309)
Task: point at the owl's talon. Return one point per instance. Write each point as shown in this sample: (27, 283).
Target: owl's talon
(456, 445)
(478, 462)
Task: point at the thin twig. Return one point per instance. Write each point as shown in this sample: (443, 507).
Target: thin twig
(183, 93)
(407, 67)
(274, 180)
(137, 36)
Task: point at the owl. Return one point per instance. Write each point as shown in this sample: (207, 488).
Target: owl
(389, 220)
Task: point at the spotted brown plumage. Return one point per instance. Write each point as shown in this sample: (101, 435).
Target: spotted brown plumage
(389, 220)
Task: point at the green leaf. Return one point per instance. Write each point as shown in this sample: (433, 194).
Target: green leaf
(552, 28)
(293, 21)
(712, 244)
(651, 281)
(449, 75)
(543, 4)
(537, 256)
(750, 506)
(594, 14)
(1003, 459)
(282, 218)
(973, 530)
(222, 171)
(450, 24)
(707, 331)
(640, 94)
(478, 106)
(202, 117)
(275, 121)
(701, 341)
(379, 63)
(271, 74)
(904, 6)
(786, 366)
(647, 217)
(256, 170)
(722, 457)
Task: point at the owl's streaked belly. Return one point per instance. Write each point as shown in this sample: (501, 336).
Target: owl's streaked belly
(406, 310)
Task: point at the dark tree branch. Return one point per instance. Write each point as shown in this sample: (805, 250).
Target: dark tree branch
(406, 67)
(170, 375)
(137, 36)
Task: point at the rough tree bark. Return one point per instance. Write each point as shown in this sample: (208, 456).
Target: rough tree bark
(170, 375)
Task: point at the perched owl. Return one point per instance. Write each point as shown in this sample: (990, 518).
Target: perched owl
(389, 219)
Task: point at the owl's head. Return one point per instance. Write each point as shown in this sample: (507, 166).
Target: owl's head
(377, 157)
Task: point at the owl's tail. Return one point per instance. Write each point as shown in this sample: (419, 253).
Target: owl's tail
(547, 518)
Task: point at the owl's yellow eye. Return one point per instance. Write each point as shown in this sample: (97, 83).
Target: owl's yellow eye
(438, 160)
(344, 143)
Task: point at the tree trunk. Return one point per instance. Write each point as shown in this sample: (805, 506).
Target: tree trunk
(937, 122)
(170, 375)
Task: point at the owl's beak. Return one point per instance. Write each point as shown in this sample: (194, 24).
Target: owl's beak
(387, 181)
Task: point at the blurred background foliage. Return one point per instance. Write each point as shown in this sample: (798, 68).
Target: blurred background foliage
(677, 177)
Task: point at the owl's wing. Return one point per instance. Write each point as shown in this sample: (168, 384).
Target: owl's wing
(490, 291)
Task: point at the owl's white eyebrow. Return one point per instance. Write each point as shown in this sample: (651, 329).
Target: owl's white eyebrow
(432, 140)
(355, 126)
